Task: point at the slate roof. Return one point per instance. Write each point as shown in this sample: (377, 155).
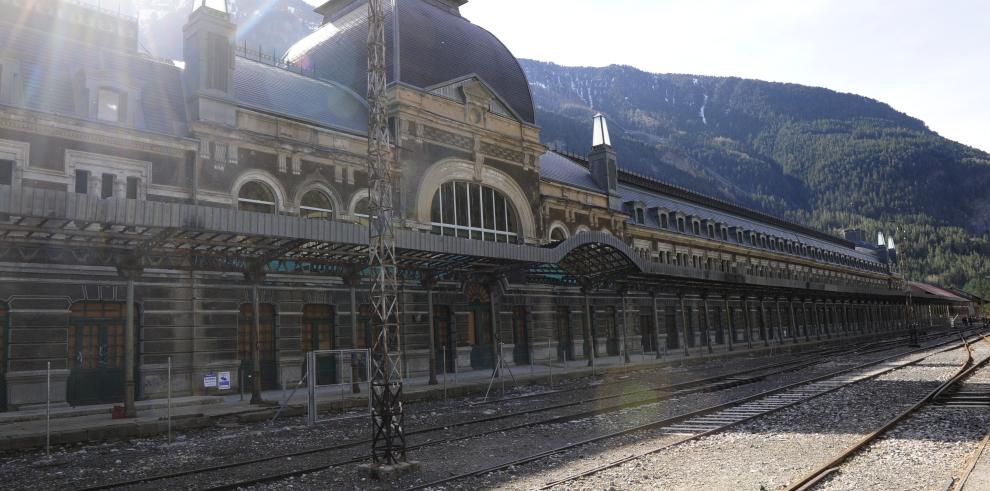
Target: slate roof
(270, 89)
(428, 47)
(936, 291)
(560, 168)
(49, 63)
(570, 171)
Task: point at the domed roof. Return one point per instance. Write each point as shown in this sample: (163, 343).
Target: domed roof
(428, 46)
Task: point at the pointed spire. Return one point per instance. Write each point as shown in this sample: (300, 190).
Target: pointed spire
(890, 244)
(881, 240)
(601, 132)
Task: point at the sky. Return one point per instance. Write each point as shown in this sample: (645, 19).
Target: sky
(927, 58)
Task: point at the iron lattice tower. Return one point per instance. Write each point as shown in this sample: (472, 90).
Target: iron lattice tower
(388, 439)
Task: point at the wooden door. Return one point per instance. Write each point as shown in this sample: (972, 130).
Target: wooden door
(266, 341)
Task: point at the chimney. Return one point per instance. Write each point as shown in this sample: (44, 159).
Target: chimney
(208, 51)
(604, 167)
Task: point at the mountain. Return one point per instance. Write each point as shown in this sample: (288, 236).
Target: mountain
(809, 154)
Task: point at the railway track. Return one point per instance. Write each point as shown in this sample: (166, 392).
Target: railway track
(697, 424)
(220, 474)
(952, 393)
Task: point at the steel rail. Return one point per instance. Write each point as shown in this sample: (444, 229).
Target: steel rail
(681, 418)
(975, 460)
(670, 390)
(677, 389)
(818, 475)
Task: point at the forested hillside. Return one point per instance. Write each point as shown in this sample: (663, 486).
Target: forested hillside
(813, 155)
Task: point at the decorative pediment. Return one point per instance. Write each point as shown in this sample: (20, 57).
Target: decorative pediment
(473, 91)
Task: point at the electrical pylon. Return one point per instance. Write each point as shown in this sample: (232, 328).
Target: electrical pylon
(388, 440)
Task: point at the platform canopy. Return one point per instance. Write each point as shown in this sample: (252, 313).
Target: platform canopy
(57, 227)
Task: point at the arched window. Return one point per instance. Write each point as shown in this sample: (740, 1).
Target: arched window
(361, 208)
(469, 210)
(316, 205)
(558, 233)
(256, 196)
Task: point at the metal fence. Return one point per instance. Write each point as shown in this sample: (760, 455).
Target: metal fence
(335, 368)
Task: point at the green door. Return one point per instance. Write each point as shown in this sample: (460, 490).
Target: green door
(318, 328)
(96, 353)
(444, 338)
(520, 336)
(480, 336)
(565, 340)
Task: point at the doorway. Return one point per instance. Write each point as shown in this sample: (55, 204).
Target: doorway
(520, 336)
(266, 342)
(648, 337)
(444, 339)
(96, 352)
(319, 326)
(565, 338)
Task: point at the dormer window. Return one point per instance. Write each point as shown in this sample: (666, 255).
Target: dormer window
(664, 221)
(711, 231)
(110, 105)
(696, 227)
(640, 216)
(680, 225)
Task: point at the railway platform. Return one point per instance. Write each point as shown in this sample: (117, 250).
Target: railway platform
(28, 428)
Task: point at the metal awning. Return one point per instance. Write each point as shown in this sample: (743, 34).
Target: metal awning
(49, 226)
(57, 227)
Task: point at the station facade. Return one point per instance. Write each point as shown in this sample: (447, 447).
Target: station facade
(204, 198)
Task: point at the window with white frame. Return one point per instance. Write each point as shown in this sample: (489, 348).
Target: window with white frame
(110, 104)
(471, 210)
(257, 197)
(316, 205)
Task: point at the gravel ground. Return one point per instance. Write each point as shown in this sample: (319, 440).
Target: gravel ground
(771, 451)
(229, 441)
(922, 453)
(464, 456)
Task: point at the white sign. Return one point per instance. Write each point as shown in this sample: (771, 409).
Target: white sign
(224, 380)
(210, 380)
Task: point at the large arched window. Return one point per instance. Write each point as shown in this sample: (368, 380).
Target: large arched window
(470, 210)
(256, 196)
(316, 205)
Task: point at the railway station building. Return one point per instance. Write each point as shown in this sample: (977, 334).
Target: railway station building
(188, 200)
